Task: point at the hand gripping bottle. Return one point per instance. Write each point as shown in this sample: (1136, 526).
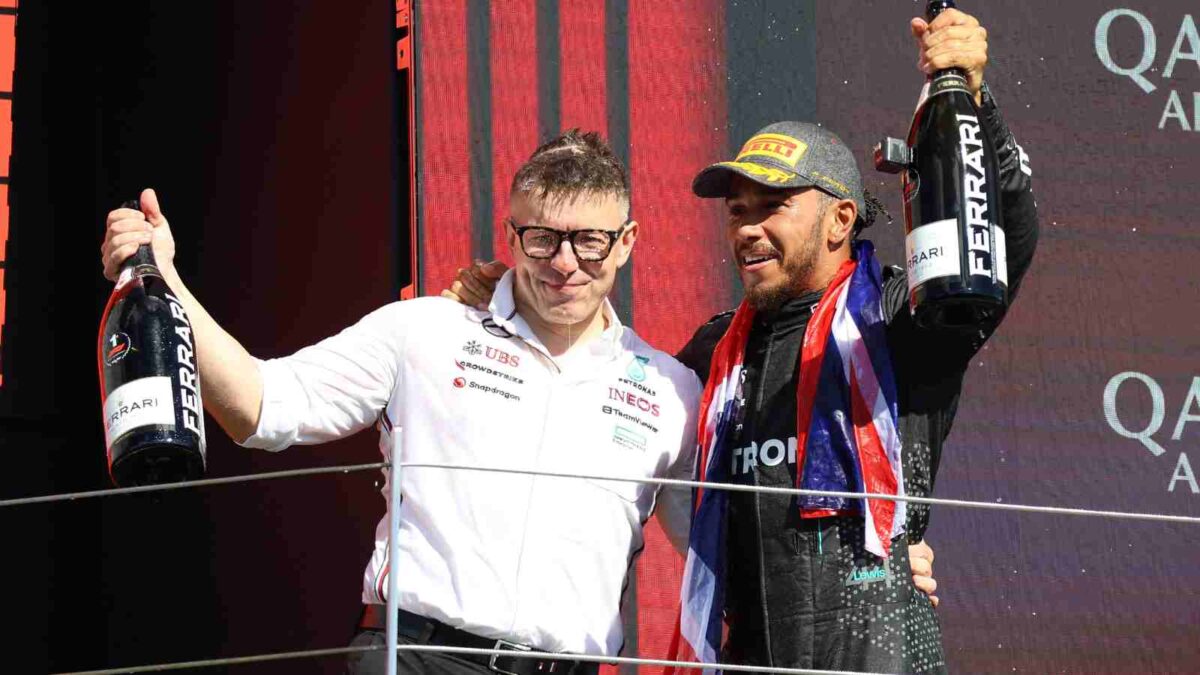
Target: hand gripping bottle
(957, 273)
(149, 382)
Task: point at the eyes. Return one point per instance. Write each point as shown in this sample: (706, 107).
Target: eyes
(739, 209)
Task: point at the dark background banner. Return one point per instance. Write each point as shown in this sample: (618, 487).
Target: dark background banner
(274, 136)
(1109, 305)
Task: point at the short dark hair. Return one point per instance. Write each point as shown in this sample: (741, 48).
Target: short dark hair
(573, 165)
(875, 208)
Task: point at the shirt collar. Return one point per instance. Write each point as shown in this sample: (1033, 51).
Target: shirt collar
(504, 313)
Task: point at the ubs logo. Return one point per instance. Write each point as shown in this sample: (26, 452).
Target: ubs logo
(501, 356)
(498, 355)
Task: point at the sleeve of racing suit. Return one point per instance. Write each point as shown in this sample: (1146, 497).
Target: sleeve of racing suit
(674, 504)
(1021, 235)
(697, 353)
(332, 389)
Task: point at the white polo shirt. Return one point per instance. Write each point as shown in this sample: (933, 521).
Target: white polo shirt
(536, 560)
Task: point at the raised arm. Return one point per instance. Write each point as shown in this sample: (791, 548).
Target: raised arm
(232, 386)
(329, 390)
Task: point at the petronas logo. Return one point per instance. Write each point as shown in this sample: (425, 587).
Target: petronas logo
(636, 370)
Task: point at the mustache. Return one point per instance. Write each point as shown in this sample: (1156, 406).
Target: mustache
(759, 251)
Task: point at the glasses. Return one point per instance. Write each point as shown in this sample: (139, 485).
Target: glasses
(542, 243)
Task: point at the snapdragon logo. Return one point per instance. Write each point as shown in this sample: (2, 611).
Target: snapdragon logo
(1143, 430)
(1182, 109)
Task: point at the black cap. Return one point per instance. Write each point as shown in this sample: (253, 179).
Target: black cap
(789, 155)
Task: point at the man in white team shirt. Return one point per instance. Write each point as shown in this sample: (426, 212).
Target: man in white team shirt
(546, 378)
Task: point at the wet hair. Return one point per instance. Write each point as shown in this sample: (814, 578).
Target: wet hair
(874, 208)
(572, 166)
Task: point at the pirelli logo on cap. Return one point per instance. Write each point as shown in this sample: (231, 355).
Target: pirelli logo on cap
(776, 146)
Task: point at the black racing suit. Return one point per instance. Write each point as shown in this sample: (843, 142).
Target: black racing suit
(803, 593)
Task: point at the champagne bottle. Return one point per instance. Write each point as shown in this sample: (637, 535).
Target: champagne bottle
(149, 382)
(957, 271)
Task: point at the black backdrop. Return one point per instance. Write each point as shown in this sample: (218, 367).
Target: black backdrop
(248, 118)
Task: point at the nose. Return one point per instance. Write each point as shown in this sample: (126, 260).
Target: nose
(564, 261)
(744, 232)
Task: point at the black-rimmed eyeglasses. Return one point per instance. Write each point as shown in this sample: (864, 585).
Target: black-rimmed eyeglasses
(542, 243)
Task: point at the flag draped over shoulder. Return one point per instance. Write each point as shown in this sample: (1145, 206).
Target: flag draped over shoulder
(847, 437)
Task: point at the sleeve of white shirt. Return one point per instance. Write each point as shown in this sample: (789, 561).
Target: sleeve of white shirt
(674, 510)
(332, 389)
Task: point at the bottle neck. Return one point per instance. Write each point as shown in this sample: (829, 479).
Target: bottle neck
(932, 11)
(936, 7)
(138, 262)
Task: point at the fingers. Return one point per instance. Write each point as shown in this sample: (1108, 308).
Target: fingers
(122, 238)
(918, 26)
(115, 256)
(954, 33)
(927, 585)
(493, 270)
(921, 550)
(123, 214)
(151, 208)
(921, 568)
(450, 295)
(952, 17)
(471, 288)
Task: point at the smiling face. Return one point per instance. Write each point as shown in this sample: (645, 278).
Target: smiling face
(779, 240)
(564, 292)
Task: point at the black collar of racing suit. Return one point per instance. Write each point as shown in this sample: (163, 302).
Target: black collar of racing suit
(791, 314)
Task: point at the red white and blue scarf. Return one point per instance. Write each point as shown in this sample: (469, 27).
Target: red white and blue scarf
(847, 436)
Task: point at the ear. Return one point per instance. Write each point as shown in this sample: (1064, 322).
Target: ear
(625, 243)
(840, 219)
(510, 236)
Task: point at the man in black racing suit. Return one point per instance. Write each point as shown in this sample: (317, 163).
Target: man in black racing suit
(802, 592)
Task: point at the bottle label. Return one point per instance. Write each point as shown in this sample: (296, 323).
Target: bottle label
(1001, 255)
(981, 253)
(932, 251)
(141, 403)
(947, 82)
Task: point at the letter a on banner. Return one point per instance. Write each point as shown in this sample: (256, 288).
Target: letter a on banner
(1183, 472)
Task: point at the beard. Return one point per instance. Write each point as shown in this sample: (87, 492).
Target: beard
(797, 270)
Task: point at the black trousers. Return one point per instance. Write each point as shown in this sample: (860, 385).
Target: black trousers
(375, 663)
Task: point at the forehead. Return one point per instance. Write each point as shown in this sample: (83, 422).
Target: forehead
(568, 212)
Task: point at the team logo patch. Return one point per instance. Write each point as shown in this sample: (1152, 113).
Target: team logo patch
(473, 348)
(868, 575)
(628, 438)
(119, 346)
(776, 146)
(636, 370)
(772, 175)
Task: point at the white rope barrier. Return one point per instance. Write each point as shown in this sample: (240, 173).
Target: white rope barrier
(671, 482)
(203, 482)
(667, 482)
(611, 660)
